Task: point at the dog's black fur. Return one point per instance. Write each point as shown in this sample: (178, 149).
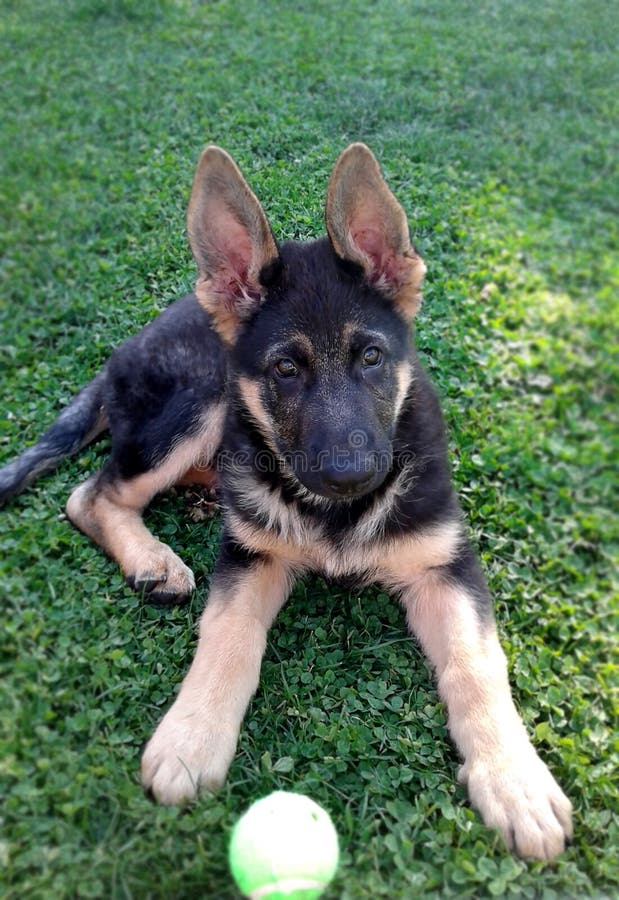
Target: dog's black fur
(291, 377)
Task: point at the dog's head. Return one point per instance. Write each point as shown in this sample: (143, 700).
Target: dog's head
(319, 332)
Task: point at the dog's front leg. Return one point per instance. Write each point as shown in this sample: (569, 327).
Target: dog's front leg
(196, 740)
(449, 610)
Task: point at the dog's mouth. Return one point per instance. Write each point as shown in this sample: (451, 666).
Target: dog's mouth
(350, 487)
(345, 489)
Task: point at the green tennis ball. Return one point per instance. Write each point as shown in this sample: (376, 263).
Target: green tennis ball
(284, 848)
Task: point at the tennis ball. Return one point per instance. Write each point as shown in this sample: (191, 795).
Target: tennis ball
(284, 848)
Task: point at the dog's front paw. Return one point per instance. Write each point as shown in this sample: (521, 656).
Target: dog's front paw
(161, 576)
(189, 751)
(516, 794)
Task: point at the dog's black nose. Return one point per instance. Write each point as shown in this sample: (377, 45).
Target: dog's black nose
(347, 482)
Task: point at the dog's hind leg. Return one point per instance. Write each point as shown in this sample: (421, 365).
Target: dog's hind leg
(108, 508)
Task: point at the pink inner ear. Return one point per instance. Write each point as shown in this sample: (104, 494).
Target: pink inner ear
(371, 242)
(386, 265)
(231, 244)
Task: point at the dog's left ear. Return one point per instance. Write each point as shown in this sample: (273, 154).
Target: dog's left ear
(367, 226)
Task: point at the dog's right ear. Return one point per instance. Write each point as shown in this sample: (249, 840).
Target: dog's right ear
(231, 242)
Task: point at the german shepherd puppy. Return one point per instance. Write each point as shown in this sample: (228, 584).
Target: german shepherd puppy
(291, 377)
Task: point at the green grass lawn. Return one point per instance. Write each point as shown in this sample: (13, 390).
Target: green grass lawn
(495, 123)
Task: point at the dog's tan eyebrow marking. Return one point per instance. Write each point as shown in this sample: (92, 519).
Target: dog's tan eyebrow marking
(354, 333)
(294, 341)
(297, 337)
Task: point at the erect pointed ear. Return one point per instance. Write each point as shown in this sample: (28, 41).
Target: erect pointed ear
(367, 226)
(231, 242)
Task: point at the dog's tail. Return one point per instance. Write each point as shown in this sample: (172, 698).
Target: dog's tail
(81, 422)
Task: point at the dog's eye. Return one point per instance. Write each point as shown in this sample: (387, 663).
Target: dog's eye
(286, 368)
(371, 356)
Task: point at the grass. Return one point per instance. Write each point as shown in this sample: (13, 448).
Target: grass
(496, 124)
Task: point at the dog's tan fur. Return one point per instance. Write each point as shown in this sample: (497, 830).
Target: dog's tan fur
(250, 396)
(507, 781)
(196, 740)
(111, 513)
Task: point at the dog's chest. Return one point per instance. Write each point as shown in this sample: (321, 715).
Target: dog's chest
(265, 522)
